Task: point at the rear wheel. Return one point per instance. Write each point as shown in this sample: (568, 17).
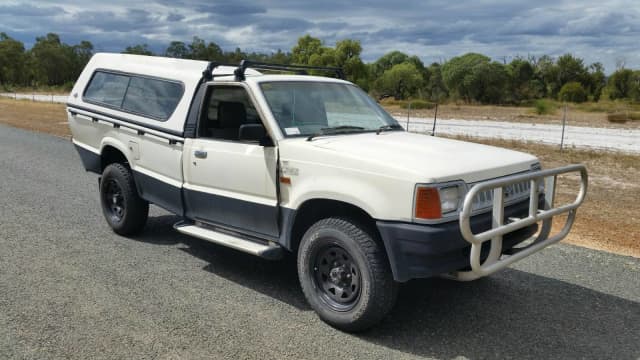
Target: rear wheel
(345, 274)
(123, 209)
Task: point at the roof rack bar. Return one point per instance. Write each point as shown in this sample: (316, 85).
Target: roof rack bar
(244, 64)
(207, 74)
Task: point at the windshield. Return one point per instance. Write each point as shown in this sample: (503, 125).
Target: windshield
(308, 108)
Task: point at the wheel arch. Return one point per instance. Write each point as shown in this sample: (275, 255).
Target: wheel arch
(113, 152)
(313, 210)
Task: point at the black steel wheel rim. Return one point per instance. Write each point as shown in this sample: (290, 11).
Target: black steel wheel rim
(114, 200)
(337, 277)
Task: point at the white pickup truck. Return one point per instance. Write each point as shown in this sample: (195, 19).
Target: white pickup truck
(311, 165)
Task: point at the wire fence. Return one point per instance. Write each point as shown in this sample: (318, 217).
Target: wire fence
(51, 98)
(565, 134)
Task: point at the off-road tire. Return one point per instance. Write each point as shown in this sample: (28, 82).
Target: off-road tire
(117, 186)
(377, 289)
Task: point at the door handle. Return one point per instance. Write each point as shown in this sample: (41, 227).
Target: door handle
(200, 154)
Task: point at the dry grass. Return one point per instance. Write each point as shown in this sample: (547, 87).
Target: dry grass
(609, 219)
(43, 117)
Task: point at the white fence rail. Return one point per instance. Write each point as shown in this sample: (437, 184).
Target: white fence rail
(61, 99)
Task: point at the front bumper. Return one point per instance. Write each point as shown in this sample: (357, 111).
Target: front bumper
(421, 251)
(477, 246)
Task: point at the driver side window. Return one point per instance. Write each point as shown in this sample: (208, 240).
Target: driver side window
(226, 109)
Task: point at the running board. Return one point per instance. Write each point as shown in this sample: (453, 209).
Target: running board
(269, 251)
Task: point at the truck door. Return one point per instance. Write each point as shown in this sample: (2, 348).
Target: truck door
(229, 182)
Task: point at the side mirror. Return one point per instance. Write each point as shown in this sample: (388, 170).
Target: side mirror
(254, 132)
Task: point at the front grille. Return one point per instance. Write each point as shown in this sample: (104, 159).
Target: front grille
(517, 191)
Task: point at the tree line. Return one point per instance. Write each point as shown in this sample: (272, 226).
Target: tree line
(472, 77)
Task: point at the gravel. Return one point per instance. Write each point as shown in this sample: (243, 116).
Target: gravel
(71, 288)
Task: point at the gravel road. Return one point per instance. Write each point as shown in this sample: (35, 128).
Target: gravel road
(70, 288)
(617, 139)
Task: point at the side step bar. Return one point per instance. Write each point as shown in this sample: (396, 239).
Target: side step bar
(270, 251)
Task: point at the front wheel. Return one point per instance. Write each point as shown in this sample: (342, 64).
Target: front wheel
(122, 207)
(345, 274)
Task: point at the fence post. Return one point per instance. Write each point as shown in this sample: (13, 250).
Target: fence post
(408, 114)
(564, 123)
(435, 115)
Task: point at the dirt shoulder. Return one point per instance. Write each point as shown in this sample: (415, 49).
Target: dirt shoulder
(44, 117)
(609, 219)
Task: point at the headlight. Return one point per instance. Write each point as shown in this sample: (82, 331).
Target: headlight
(433, 202)
(449, 199)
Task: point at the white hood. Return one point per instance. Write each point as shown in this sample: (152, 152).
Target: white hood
(422, 158)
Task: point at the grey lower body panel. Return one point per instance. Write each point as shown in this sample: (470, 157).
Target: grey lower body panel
(253, 217)
(421, 251)
(160, 193)
(90, 160)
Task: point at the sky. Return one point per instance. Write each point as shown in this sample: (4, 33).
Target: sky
(597, 31)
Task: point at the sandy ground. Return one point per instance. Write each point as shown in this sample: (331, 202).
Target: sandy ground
(609, 219)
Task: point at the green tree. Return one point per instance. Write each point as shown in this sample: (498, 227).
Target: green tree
(401, 81)
(12, 58)
(199, 50)
(435, 87)
(234, 56)
(140, 49)
(597, 80)
(473, 77)
(52, 60)
(571, 69)
(387, 61)
(620, 84)
(177, 49)
(573, 92)
(521, 76)
(546, 72)
(347, 57)
(307, 51)
(82, 54)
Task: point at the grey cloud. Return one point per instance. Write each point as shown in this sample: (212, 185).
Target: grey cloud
(28, 10)
(232, 8)
(173, 17)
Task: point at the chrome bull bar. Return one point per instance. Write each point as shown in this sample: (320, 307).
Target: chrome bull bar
(496, 259)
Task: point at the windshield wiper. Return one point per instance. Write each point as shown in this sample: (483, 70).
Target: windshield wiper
(342, 129)
(388, 127)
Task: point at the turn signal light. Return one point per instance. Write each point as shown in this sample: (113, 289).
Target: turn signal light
(428, 203)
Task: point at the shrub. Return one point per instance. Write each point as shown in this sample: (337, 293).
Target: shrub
(544, 107)
(623, 117)
(573, 92)
(419, 105)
